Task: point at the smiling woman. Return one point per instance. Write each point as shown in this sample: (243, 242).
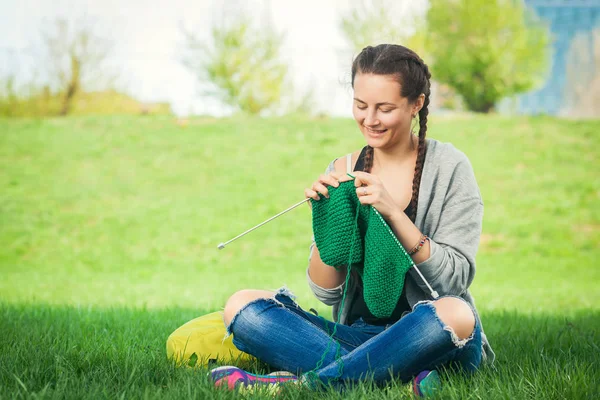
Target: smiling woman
(382, 123)
(426, 196)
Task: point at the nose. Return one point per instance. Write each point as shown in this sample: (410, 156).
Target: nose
(371, 119)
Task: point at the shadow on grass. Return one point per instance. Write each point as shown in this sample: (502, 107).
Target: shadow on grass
(57, 352)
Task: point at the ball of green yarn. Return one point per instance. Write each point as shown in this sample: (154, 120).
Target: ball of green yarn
(367, 238)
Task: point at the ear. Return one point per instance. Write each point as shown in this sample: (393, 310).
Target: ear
(418, 104)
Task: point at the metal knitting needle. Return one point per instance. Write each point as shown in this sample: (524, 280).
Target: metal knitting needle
(222, 245)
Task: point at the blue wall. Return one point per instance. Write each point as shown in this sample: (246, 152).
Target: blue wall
(567, 18)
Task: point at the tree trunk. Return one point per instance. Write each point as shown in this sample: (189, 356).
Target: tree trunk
(73, 86)
(480, 106)
(68, 99)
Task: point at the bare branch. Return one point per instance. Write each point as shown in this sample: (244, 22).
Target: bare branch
(76, 55)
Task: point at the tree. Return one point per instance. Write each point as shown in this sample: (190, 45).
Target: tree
(486, 49)
(241, 63)
(372, 22)
(76, 58)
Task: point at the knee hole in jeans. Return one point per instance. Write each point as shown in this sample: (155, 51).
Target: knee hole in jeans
(456, 314)
(239, 299)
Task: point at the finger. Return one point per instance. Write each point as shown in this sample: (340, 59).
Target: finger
(341, 176)
(358, 182)
(320, 188)
(368, 199)
(363, 178)
(330, 180)
(344, 178)
(309, 193)
(363, 191)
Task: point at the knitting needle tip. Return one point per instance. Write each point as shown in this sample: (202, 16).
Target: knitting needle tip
(350, 175)
(221, 246)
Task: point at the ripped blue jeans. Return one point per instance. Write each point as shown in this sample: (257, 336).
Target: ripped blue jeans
(277, 331)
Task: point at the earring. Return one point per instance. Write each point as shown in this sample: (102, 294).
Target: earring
(413, 124)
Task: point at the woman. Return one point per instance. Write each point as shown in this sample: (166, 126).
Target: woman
(427, 193)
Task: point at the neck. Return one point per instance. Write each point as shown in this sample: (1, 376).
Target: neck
(398, 154)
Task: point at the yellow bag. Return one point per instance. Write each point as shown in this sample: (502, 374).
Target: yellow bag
(200, 342)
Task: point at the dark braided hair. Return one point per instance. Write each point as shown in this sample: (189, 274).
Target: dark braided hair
(413, 75)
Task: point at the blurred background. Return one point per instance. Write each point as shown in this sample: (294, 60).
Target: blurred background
(195, 57)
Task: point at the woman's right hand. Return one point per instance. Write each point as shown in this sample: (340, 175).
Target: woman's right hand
(320, 273)
(320, 185)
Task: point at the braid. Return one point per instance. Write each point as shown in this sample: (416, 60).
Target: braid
(420, 160)
(368, 159)
(423, 112)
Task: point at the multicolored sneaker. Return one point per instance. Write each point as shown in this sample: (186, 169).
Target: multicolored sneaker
(280, 374)
(426, 383)
(235, 378)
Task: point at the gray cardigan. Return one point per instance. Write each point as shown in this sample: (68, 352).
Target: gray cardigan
(450, 212)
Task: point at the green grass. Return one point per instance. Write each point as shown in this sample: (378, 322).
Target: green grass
(89, 353)
(109, 228)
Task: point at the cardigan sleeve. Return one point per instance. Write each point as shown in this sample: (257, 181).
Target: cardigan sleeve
(329, 297)
(454, 241)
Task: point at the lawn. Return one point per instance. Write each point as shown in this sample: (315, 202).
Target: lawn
(109, 229)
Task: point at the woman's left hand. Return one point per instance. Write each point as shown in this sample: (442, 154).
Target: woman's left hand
(370, 190)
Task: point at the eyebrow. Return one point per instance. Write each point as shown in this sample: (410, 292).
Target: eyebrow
(378, 104)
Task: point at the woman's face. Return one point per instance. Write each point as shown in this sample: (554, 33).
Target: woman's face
(382, 114)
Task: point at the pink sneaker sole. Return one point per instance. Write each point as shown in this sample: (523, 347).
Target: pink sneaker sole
(234, 377)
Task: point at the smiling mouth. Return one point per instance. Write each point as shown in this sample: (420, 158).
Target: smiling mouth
(376, 131)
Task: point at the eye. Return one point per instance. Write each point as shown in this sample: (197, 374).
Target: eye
(387, 111)
(361, 107)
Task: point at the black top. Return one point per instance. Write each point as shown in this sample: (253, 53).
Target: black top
(360, 166)
(358, 308)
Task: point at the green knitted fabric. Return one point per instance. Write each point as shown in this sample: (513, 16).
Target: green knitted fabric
(376, 253)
